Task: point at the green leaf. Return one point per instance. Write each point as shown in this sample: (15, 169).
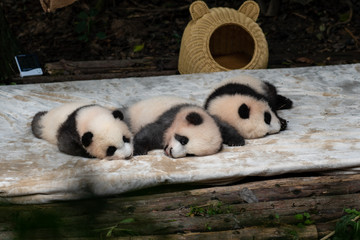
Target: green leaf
(319, 36)
(128, 220)
(109, 233)
(138, 48)
(308, 222)
(300, 225)
(344, 17)
(208, 227)
(299, 217)
(81, 27)
(357, 227)
(307, 215)
(101, 35)
(83, 15)
(352, 211)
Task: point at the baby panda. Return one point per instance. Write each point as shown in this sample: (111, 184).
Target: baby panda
(249, 105)
(179, 127)
(86, 130)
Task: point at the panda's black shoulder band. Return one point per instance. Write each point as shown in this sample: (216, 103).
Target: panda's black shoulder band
(233, 89)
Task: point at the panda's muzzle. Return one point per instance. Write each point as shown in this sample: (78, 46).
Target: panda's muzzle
(167, 153)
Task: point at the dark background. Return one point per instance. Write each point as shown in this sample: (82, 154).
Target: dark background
(299, 32)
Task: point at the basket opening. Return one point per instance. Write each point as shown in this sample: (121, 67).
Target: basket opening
(231, 46)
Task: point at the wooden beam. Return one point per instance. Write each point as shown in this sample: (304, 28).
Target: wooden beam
(274, 204)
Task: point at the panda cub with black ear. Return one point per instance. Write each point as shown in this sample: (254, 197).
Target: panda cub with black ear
(179, 127)
(249, 105)
(86, 130)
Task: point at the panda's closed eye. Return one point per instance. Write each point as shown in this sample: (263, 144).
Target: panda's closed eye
(126, 139)
(110, 151)
(182, 139)
(267, 118)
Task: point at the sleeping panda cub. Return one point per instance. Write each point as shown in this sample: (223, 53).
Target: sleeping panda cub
(249, 105)
(179, 127)
(86, 130)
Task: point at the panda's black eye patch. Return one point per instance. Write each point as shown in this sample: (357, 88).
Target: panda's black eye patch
(194, 118)
(267, 118)
(244, 111)
(86, 139)
(110, 151)
(126, 139)
(118, 114)
(182, 139)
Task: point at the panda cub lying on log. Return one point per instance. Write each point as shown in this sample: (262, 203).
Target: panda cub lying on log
(179, 127)
(249, 105)
(86, 130)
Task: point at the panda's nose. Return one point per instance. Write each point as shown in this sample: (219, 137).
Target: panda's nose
(170, 153)
(283, 124)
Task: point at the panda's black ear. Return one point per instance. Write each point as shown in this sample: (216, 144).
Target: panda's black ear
(244, 111)
(118, 114)
(194, 118)
(86, 139)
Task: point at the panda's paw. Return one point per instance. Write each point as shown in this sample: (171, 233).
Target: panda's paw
(138, 152)
(283, 102)
(235, 141)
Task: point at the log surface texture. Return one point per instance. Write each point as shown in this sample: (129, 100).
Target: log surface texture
(263, 209)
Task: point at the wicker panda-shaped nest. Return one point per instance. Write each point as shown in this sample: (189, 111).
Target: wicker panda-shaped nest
(222, 39)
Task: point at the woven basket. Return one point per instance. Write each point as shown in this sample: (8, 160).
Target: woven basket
(222, 39)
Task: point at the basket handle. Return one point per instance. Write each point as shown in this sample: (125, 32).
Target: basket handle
(198, 9)
(251, 9)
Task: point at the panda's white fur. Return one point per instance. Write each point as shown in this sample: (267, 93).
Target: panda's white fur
(249, 105)
(53, 119)
(147, 111)
(174, 124)
(69, 125)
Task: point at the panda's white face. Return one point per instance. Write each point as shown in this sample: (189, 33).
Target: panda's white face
(176, 148)
(192, 133)
(104, 134)
(252, 118)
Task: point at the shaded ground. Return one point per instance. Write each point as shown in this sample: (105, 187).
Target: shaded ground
(300, 33)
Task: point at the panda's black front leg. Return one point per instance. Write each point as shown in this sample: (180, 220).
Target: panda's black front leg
(148, 138)
(229, 134)
(69, 143)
